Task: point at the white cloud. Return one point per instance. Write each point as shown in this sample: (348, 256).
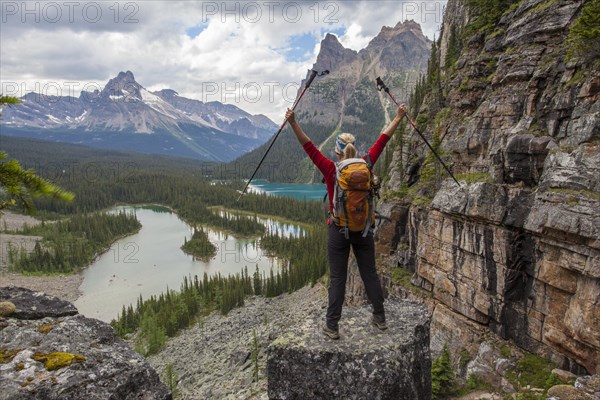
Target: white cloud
(234, 52)
(353, 38)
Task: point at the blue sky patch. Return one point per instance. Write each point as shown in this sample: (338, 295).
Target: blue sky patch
(299, 46)
(195, 30)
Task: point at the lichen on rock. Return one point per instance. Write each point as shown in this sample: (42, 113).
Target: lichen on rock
(57, 359)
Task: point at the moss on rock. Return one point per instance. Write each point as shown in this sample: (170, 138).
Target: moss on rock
(45, 328)
(7, 355)
(7, 308)
(58, 359)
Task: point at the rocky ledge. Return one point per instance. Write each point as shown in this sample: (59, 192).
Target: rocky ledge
(48, 351)
(365, 363)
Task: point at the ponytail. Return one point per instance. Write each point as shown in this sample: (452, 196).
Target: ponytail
(349, 151)
(344, 145)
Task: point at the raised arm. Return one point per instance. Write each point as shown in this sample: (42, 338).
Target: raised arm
(391, 128)
(290, 116)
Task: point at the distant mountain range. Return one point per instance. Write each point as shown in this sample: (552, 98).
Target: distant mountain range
(347, 99)
(124, 115)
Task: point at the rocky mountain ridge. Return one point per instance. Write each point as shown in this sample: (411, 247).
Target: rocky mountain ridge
(125, 115)
(347, 98)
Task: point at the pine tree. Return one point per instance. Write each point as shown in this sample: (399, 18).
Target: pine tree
(171, 380)
(22, 185)
(442, 375)
(257, 282)
(151, 337)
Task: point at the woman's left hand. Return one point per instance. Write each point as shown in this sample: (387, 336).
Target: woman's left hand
(401, 111)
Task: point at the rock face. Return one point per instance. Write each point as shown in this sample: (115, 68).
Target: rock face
(364, 364)
(49, 351)
(517, 250)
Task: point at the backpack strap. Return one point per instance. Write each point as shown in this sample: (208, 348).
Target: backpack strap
(345, 229)
(369, 222)
(371, 202)
(369, 163)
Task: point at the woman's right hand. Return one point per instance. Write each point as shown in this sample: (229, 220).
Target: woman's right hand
(290, 116)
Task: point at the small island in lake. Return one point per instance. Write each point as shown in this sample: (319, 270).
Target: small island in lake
(199, 246)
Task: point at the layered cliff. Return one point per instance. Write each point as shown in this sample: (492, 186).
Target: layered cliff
(516, 249)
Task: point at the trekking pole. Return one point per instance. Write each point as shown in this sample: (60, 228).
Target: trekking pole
(382, 86)
(313, 75)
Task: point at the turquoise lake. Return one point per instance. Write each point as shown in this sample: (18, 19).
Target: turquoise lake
(310, 191)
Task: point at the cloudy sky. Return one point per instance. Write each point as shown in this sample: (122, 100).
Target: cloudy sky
(249, 53)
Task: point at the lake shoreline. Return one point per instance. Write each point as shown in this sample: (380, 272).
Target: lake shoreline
(64, 286)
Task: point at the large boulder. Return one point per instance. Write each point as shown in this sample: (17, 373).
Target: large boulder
(365, 363)
(48, 351)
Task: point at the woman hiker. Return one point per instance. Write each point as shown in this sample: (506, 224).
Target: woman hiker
(338, 245)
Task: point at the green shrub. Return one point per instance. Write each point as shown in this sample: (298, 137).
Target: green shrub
(442, 375)
(584, 36)
(532, 370)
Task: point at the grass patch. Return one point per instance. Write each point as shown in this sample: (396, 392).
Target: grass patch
(537, 130)
(576, 79)
(474, 383)
(505, 351)
(402, 277)
(534, 371)
(496, 33)
(576, 193)
(410, 195)
(475, 177)
(543, 6)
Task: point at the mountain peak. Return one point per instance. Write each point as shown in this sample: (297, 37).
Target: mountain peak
(333, 53)
(123, 86)
(125, 76)
(330, 37)
(409, 24)
(332, 42)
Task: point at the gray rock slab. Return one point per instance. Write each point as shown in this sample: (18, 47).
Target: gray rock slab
(365, 363)
(105, 367)
(35, 305)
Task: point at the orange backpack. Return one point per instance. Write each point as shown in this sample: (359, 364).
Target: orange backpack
(353, 196)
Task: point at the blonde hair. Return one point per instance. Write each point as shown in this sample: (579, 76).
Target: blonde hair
(349, 149)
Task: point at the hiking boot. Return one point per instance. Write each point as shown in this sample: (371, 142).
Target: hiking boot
(379, 322)
(331, 333)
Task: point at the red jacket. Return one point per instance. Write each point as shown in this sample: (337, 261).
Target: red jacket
(327, 167)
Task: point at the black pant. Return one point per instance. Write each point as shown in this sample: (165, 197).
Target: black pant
(338, 250)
